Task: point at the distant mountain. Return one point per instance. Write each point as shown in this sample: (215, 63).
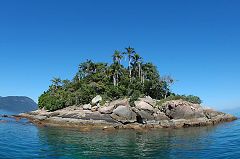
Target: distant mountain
(17, 104)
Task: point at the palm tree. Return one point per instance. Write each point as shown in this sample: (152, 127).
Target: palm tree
(117, 57)
(137, 61)
(116, 67)
(87, 68)
(116, 72)
(92, 67)
(56, 83)
(66, 83)
(84, 68)
(108, 72)
(129, 53)
(147, 72)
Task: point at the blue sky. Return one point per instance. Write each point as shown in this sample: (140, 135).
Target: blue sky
(197, 42)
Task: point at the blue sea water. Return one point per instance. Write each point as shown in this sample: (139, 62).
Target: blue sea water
(21, 139)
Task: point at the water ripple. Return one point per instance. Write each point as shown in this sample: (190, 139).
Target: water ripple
(24, 140)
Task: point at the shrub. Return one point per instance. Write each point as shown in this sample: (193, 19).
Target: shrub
(190, 98)
(134, 97)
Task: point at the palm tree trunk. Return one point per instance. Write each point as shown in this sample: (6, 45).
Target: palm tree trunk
(117, 79)
(130, 71)
(143, 78)
(114, 80)
(139, 70)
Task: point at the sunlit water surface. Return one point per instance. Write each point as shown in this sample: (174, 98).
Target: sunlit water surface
(24, 140)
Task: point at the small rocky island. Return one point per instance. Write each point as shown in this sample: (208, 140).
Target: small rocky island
(119, 114)
(130, 95)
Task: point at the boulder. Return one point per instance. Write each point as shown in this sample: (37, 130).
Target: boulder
(149, 100)
(179, 109)
(106, 110)
(119, 102)
(144, 112)
(158, 116)
(144, 116)
(124, 114)
(228, 118)
(141, 105)
(87, 107)
(217, 117)
(210, 113)
(96, 100)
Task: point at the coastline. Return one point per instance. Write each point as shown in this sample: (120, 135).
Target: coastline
(101, 124)
(120, 115)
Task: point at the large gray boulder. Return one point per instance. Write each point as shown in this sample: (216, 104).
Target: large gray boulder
(119, 102)
(109, 107)
(216, 116)
(158, 116)
(144, 111)
(179, 109)
(106, 109)
(124, 114)
(144, 116)
(96, 100)
(149, 100)
(210, 113)
(141, 105)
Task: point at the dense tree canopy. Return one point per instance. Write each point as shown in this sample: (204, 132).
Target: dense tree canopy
(111, 81)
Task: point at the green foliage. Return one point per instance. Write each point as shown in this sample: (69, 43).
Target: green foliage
(50, 102)
(111, 81)
(193, 99)
(42, 100)
(190, 98)
(134, 97)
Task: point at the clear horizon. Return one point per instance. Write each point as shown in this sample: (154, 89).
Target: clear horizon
(196, 42)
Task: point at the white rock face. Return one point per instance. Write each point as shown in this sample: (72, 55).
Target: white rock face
(96, 100)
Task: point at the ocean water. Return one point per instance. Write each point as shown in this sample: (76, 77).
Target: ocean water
(21, 139)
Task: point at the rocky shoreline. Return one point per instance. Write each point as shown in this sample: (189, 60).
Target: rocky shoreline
(118, 114)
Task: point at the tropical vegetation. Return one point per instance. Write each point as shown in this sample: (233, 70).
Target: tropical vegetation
(112, 81)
